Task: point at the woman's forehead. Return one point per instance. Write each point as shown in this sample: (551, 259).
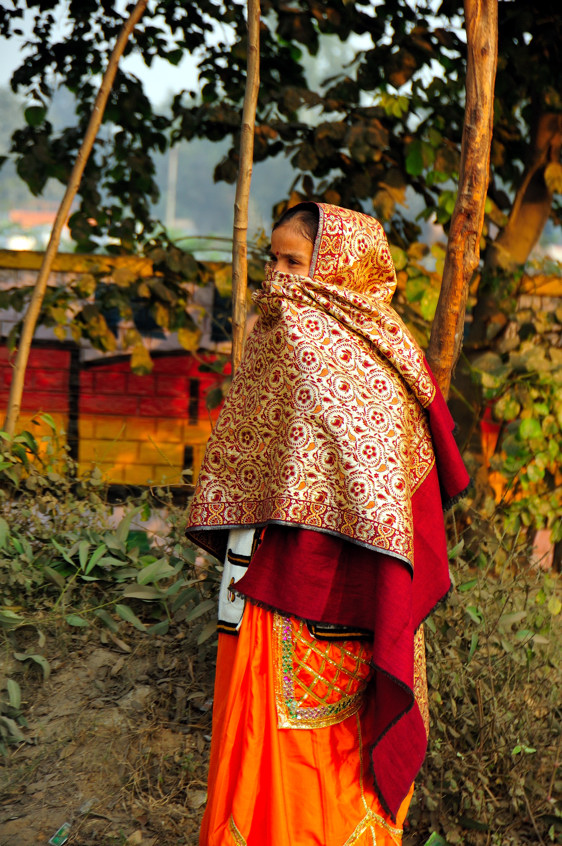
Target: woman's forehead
(288, 239)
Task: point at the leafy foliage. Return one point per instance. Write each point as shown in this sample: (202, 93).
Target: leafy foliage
(66, 564)
(521, 383)
(391, 119)
(495, 688)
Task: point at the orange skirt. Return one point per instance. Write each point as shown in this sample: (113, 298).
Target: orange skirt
(291, 733)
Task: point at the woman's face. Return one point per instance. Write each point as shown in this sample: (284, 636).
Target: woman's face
(291, 252)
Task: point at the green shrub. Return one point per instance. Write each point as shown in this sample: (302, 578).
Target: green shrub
(493, 650)
(59, 535)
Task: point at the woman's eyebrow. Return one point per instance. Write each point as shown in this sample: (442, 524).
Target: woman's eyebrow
(289, 254)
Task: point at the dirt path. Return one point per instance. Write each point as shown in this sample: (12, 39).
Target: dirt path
(116, 744)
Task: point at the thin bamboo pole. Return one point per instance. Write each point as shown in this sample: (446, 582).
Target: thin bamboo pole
(34, 308)
(240, 231)
(463, 247)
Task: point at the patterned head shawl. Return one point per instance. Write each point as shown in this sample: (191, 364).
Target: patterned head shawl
(325, 425)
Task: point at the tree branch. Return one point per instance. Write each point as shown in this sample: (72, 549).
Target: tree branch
(240, 232)
(463, 248)
(533, 201)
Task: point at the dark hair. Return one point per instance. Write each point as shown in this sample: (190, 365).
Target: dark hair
(304, 217)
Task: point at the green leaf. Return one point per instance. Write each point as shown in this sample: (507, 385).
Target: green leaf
(468, 585)
(414, 158)
(430, 623)
(202, 608)
(141, 592)
(554, 606)
(185, 596)
(48, 420)
(399, 257)
(435, 840)
(523, 634)
(76, 620)
(122, 531)
(159, 628)
(428, 303)
(473, 646)
(126, 613)
(83, 549)
(14, 732)
(520, 747)
(4, 532)
(111, 561)
(9, 620)
(29, 441)
(107, 620)
(529, 429)
(456, 550)
(96, 556)
(66, 554)
(14, 693)
(54, 576)
(154, 572)
(35, 115)
(474, 614)
(208, 630)
(534, 472)
(214, 398)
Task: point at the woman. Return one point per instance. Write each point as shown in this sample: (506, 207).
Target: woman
(322, 490)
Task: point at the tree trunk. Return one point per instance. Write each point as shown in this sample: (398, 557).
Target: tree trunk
(240, 233)
(526, 221)
(533, 201)
(34, 308)
(463, 248)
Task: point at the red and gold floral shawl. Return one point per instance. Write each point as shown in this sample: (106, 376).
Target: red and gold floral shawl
(325, 425)
(333, 423)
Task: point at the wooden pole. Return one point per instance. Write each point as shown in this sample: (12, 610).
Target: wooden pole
(34, 308)
(240, 232)
(463, 247)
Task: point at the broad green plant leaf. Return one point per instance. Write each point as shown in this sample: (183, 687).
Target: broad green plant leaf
(83, 549)
(96, 556)
(14, 693)
(76, 620)
(10, 620)
(435, 840)
(54, 576)
(530, 429)
(107, 620)
(141, 592)
(126, 613)
(14, 733)
(199, 610)
(208, 630)
(158, 570)
(122, 531)
(159, 628)
(4, 532)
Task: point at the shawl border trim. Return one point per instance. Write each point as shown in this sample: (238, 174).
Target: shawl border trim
(223, 527)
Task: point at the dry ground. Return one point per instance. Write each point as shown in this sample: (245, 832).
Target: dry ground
(117, 742)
